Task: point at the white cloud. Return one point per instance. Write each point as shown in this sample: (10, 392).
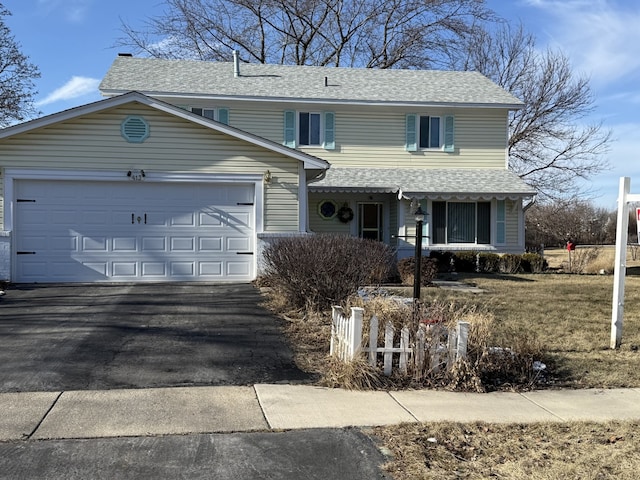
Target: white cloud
(599, 36)
(74, 11)
(74, 88)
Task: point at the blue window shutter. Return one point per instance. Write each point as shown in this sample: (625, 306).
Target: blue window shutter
(223, 115)
(290, 128)
(501, 222)
(329, 131)
(411, 144)
(448, 133)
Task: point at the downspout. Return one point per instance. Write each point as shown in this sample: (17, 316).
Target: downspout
(529, 205)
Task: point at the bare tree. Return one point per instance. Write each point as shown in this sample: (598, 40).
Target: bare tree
(554, 223)
(365, 33)
(550, 143)
(17, 90)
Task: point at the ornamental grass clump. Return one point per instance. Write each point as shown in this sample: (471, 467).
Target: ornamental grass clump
(314, 272)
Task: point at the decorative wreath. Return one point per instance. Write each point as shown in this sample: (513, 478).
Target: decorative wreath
(345, 214)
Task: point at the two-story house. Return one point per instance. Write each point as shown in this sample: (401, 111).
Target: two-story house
(188, 167)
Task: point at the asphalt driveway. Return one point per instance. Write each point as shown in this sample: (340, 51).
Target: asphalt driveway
(86, 337)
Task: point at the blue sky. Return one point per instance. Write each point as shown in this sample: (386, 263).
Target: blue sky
(72, 42)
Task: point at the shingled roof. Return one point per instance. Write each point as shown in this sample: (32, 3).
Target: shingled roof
(159, 77)
(419, 182)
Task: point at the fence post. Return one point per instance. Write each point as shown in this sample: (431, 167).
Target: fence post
(452, 342)
(355, 332)
(388, 345)
(404, 345)
(463, 338)
(336, 312)
(373, 341)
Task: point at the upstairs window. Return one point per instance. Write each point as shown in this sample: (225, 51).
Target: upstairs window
(218, 114)
(430, 133)
(426, 132)
(309, 131)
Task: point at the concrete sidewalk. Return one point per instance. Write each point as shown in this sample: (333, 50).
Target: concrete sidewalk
(193, 410)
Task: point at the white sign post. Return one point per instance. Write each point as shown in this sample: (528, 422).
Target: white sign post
(622, 228)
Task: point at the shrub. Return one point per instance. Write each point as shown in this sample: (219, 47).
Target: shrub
(316, 271)
(444, 260)
(510, 263)
(534, 263)
(585, 260)
(465, 262)
(489, 262)
(428, 270)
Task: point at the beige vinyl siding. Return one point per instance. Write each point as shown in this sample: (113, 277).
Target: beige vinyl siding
(513, 222)
(318, 224)
(375, 136)
(174, 145)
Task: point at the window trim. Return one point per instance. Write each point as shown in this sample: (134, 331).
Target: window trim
(326, 125)
(413, 133)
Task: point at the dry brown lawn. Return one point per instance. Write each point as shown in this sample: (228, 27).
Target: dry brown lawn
(539, 451)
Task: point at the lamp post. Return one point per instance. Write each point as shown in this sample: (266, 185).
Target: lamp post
(419, 214)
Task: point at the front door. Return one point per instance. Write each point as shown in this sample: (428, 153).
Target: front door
(370, 221)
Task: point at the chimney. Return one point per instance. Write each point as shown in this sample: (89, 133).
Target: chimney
(236, 64)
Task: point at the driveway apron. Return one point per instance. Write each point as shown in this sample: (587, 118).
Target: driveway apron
(81, 337)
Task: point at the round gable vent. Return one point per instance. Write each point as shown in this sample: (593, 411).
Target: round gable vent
(135, 129)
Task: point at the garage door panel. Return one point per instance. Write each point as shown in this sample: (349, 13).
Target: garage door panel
(238, 244)
(125, 269)
(154, 244)
(211, 269)
(34, 243)
(210, 219)
(237, 269)
(124, 244)
(182, 220)
(94, 244)
(97, 270)
(153, 269)
(210, 244)
(89, 234)
(183, 244)
(68, 243)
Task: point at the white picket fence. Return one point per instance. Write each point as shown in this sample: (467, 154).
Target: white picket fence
(434, 347)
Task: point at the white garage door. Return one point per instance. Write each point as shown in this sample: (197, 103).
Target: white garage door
(72, 231)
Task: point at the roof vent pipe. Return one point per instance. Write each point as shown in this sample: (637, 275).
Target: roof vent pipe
(236, 64)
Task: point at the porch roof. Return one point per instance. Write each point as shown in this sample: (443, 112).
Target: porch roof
(424, 182)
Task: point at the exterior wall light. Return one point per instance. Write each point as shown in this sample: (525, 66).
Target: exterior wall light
(267, 177)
